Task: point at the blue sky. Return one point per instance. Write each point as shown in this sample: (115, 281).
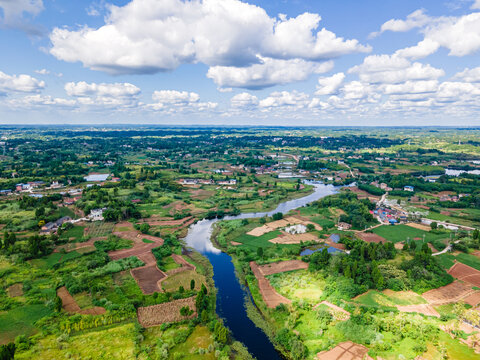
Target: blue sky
(285, 62)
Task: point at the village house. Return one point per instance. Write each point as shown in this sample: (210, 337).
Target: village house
(189, 181)
(227, 182)
(343, 226)
(53, 226)
(96, 214)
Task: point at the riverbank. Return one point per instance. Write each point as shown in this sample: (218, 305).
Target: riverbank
(231, 293)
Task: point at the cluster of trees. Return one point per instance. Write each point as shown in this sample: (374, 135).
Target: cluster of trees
(357, 212)
(367, 267)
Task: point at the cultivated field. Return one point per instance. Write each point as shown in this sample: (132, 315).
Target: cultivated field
(164, 313)
(345, 351)
(271, 298)
(465, 273)
(424, 309)
(370, 237)
(450, 293)
(282, 266)
(70, 305)
(294, 238)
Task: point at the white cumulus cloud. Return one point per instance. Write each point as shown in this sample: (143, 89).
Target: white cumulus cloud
(148, 36)
(329, 85)
(244, 100)
(19, 83)
(268, 73)
(393, 69)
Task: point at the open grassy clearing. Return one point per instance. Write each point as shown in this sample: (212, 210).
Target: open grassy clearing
(390, 298)
(447, 260)
(399, 233)
(20, 321)
(55, 258)
(172, 283)
(200, 338)
(75, 234)
(113, 343)
(298, 285)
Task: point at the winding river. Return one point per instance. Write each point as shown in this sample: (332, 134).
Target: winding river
(230, 293)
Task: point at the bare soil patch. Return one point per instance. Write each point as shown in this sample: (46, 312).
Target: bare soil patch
(15, 290)
(156, 222)
(450, 293)
(345, 351)
(371, 238)
(80, 245)
(419, 226)
(149, 278)
(282, 266)
(70, 305)
(465, 273)
(271, 298)
(425, 309)
(294, 238)
(273, 225)
(200, 194)
(164, 313)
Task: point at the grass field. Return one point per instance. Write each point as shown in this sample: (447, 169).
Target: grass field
(54, 258)
(74, 234)
(390, 298)
(172, 283)
(299, 285)
(20, 321)
(199, 339)
(447, 260)
(258, 241)
(399, 233)
(114, 343)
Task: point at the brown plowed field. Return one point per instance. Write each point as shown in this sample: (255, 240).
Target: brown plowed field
(271, 298)
(148, 278)
(15, 290)
(465, 273)
(294, 238)
(79, 245)
(419, 226)
(282, 266)
(371, 237)
(155, 222)
(164, 313)
(345, 351)
(70, 305)
(473, 300)
(425, 309)
(450, 293)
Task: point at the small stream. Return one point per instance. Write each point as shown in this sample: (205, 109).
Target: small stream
(230, 293)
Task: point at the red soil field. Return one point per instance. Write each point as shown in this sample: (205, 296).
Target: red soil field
(370, 237)
(70, 305)
(450, 293)
(345, 351)
(465, 273)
